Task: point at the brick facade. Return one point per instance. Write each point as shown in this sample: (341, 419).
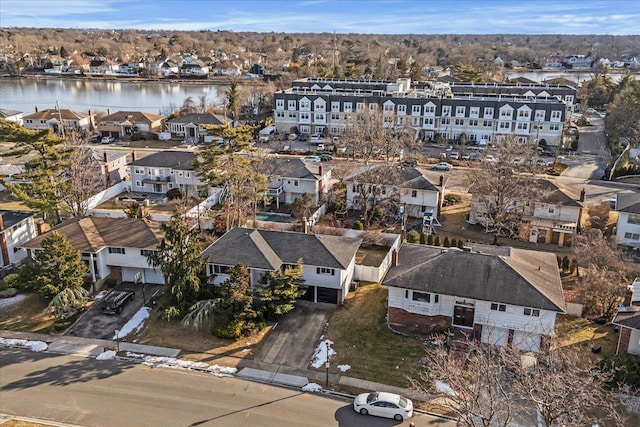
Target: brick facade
(417, 323)
(623, 340)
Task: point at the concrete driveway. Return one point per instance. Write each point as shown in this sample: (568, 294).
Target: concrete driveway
(296, 336)
(95, 324)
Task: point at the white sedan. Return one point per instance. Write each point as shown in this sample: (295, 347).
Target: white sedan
(442, 166)
(383, 404)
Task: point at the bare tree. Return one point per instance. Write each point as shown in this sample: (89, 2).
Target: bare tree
(85, 176)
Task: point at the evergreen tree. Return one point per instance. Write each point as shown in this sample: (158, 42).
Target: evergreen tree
(446, 243)
(282, 289)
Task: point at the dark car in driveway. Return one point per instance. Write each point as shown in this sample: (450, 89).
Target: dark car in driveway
(116, 300)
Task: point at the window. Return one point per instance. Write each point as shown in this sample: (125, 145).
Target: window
(632, 236)
(319, 117)
(359, 106)
(446, 110)
(473, 123)
(633, 219)
(539, 115)
(304, 116)
(554, 126)
(279, 104)
(221, 269)
(138, 171)
(415, 109)
(116, 251)
(556, 115)
(523, 126)
(505, 114)
(147, 252)
(296, 183)
(459, 122)
(428, 121)
(430, 109)
(305, 105)
(488, 112)
(402, 109)
(293, 115)
(416, 121)
(460, 111)
(424, 297)
(414, 193)
(486, 123)
(446, 121)
(498, 307)
(532, 312)
(280, 114)
(348, 106)
(505, 125)
(335, 116)
(291, 105)
(335, 107)
(388, 108)
(524, 114)
(551, 209)
(474, 112)
(324, 270)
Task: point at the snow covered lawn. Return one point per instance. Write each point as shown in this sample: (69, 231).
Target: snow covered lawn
(172, 362)
(134, 324)
(36, 346)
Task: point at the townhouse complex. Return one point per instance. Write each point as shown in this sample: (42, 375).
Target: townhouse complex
(483, 112)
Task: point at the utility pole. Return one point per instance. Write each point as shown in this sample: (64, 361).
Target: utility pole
(60, 117)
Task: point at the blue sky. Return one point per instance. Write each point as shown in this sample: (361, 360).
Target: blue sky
(617, 17)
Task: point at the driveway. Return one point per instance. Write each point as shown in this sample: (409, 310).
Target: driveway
(292, 342)
(95, 324)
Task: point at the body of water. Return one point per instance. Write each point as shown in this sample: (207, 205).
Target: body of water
(83, 95)
(578, 76)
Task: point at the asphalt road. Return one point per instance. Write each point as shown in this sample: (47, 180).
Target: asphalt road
(88, 392)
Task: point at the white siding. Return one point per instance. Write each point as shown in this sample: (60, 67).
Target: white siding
(526, 341)
(634, 342)
(147, 275)
(496, 336)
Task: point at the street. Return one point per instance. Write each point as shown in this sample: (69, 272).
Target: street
(89, 392)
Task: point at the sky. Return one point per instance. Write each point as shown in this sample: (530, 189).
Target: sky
(615, 17)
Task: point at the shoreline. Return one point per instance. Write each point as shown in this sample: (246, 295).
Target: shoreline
(221, 80)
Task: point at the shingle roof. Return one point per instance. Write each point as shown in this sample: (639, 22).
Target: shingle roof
(630, 317)
(293, 168)
(628, 202)
(4, 113)
(182, 160)
(91, 234)
(56, 114)
(488, 273)
(136, 116)
(11, 218)
(408, 177)
(198, 119)
(544, 191)
(268, 250)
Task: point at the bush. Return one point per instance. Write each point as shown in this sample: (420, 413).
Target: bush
(413, 236)
(231, 330)
(358, 226)
(460, 244)
(430, 239)
(423, 238)
(446, 243)
(454, 243)
(170, 313)
(8, 293)
(436, 241)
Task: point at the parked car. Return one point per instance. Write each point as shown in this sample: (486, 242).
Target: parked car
(409, 163)
(320, 147)
(117, 300)
(442, 166)
(303, 137)
(466, 156)
(490, 158)
(454, 155)
(383, 404)
(107, 140)
(326, 157)
(311, 159)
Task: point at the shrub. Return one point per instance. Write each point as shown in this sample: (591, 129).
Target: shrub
(436, 241)
(460, 244)
(446, 243)
(454, 243)
(170, 313)
(565, 263)
(423, 239)
(230, 330)
(8, 293)
(430, 239)
(358, 226)
(413, 236)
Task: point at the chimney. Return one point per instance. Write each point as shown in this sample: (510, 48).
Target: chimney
(41, 227)
(104, 155)
(583, 195)
(320, 170)
(133, 156)
(441, 180)
(628, 297)
(305, 225)
(36, 108)
(394, 258)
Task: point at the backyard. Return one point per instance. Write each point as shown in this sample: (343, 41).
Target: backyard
(26, 315)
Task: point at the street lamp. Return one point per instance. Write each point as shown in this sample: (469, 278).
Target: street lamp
(118, 340)
(326, 365)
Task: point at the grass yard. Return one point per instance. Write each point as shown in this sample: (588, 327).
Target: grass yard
(27, 316)
(363, 340)
(19, 423)
(583, 334)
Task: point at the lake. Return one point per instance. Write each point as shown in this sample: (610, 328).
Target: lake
(101, 95)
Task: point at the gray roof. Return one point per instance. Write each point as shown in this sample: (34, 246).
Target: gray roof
(182, 160)
(628, 317)
(8, 113)
(628, 202)
(11, 218)
(488, 273)
(198, 119)
(293, 168)
(269, 250)
(407, 177)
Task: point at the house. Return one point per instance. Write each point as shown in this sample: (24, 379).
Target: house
(16, 228)
(11, 116)
(628, 226)
(496, 294)
(100, 67)
(192, 127)
(328, 261)
(628, 320)
(113, 165)
(406, 185)
(160, 172)
(577, 61)
(125, 124)
(111, 247)
(167, 68)
(290, 178)
(550, 214)
(57, 119)
(194, 69)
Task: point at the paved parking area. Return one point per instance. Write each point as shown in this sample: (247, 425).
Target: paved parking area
(95, 324)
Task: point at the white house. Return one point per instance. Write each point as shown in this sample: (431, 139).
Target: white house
(16, 228)
(290, 178)
(192, 127)
(628, 320)
(54, 118)
(628, 226)
(111, 247)
(160, 172)
(328, 261)
(11, 116)
(498, 295)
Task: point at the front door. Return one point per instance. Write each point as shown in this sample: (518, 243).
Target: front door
(463, 316)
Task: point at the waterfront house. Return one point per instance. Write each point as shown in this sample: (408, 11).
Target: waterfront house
(12, 116)
(59, 119)
(126, 124)
(192, 127)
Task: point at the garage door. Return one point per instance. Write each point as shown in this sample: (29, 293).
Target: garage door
(147, 275)
(526, 341)
(496, 336)
(310, 294)
(328, 295)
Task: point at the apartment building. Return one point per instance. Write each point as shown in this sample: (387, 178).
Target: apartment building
(534, 114)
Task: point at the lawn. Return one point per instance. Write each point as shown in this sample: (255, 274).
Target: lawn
(363, 340)
(27, 316)
(583, 334)
(19, 423)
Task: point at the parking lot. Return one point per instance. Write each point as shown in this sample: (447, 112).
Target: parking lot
(96, 324)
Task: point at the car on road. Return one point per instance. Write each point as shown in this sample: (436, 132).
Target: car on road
(107, 140)
(325, 157)
(442, 166)
(314, 159)
(383, 404)
(117, 300)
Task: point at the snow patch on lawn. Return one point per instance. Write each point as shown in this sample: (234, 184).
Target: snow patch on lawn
(6, 302)
(312, 388)
(106, 355)
(322, 351)
(442, 387)
(173, 363)
(344, 368)
(36, 346)
(134, 324)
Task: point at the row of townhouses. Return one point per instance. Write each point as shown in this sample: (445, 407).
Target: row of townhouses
(484, 113)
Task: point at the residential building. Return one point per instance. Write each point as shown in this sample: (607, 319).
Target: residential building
(167, 69)
(628, 320)
(11, 116)
(495, 294)
(405, 186)
(111, 247)
(577, 61)
(159, 172)
(59, 119)
(486, 113)
(328, 261)
(290, 178)
(125, 124)
(99, 67)
(113, 165)
(628, 226)
(192, 127)
(551, 214)
(16, 228)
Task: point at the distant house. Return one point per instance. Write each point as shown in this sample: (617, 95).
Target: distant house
(551, 215)
(628, 320)
(16, 228)
(125, 124)
(328, 261)
(191, 127)
(628, 226)
(55, 120)
(577, 61)
(498, 295)
(167, 68)
(11, 116)
(159, 172)
(111, 247)
(99, 67)
(189, 69)
(289, 179)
